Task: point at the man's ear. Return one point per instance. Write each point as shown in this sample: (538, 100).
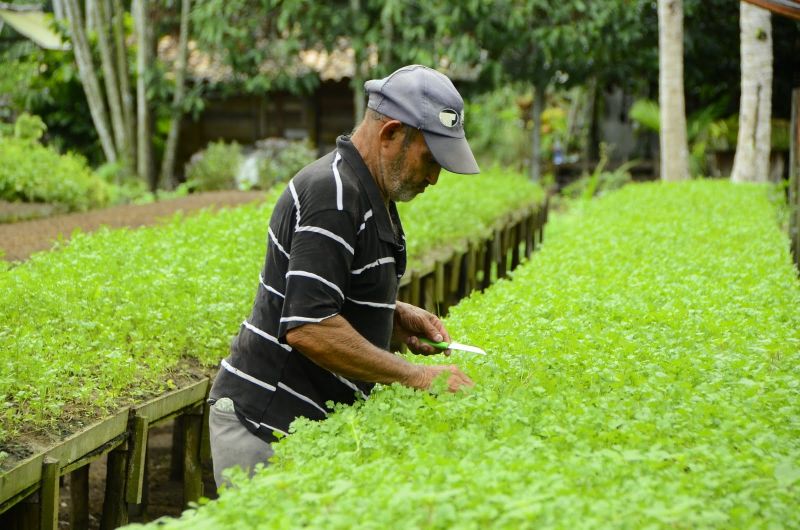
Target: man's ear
(390, 131)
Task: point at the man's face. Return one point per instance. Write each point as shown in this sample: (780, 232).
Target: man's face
(411, 170)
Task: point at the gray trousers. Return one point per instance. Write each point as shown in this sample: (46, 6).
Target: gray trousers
(233, 445)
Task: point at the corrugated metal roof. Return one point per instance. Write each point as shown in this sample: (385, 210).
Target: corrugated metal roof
(787, 8)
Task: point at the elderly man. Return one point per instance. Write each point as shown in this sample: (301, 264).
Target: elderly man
(326, 308)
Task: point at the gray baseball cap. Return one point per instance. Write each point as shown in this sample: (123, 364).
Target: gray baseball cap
(426, 99)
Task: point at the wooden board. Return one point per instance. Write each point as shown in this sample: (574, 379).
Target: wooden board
(172, 402)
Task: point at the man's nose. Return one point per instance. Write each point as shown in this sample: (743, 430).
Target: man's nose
(433, 176)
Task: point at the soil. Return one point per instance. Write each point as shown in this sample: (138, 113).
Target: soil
(19, 240)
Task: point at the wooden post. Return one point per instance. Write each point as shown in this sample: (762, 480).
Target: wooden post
(456, 276)
(205, 441)
(428, 293)
(192, 470)
(438, 288)
(115, 509)
(500, 252)
(79, 497)
(487, 263)
(49, 494)
(516, 237)
(138, 454)
(471, 269)
(415, 289)
(176, 462)
(794, 178)
(528, 224)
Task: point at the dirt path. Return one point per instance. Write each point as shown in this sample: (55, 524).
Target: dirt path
(20, 240)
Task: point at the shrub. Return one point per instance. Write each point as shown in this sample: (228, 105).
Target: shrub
(601, 180)
(30, 172)
(279, 159)
(214, 168)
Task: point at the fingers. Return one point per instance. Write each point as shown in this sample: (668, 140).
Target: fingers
(457, 380)
(421, 348)
(434, 328)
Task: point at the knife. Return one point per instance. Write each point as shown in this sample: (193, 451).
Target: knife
(453, 346)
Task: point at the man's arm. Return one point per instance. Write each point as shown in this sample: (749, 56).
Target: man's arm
(335, 345)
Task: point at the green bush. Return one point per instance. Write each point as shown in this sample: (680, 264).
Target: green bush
(215, 167)
(600, 181)
(280, 159)
(30, 172)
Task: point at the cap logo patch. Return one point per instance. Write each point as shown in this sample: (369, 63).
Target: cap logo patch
(449, 118)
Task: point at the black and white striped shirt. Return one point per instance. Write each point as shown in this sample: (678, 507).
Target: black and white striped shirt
(332, 251)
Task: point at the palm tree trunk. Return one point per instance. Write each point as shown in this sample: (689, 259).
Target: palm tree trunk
(168, 162)
(107, 57)
(794, 176)
(94, 96)
(751, 162)
(123, 74)
(674, 146)
(58, 9)
(539, 90)
(144, 158)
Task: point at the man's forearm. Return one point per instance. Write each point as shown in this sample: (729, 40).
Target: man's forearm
(336, 346)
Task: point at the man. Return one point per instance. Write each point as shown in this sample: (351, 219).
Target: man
(326, 308)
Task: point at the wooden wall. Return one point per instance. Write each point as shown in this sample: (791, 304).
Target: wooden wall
(320, 117)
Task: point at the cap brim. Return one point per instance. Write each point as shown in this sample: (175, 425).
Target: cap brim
(453, 154)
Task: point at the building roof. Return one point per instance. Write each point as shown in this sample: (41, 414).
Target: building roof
(787, 8)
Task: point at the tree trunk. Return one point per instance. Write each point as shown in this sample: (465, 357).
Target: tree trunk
(144, 156)
(58, 9)
(123, 74)
(674, 147)
(536, 134)
(107, 57)
(751, 162)
(794, 175)
(83, 56)
(588, 126)
(358, 72)
(168, 162)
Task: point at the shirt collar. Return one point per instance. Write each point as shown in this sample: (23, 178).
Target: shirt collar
(353, 158)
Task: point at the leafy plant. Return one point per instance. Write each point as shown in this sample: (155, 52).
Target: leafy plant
(215, 167)
(699, 127)
(279, 159)
(29, 127)
(30, 172)
(642, 373)
(646, 113)
(600, 181)
(123, 308)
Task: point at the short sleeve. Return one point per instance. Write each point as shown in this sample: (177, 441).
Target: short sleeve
(318, 275)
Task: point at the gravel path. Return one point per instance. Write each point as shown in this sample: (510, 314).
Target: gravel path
(20, 240)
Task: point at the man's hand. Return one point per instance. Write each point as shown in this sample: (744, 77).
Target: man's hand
(411, 322)
(457, 380)
(334, 345)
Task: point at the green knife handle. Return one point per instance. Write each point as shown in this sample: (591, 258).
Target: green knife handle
(438, 345)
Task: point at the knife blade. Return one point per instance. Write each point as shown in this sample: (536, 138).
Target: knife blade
(453, 346)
